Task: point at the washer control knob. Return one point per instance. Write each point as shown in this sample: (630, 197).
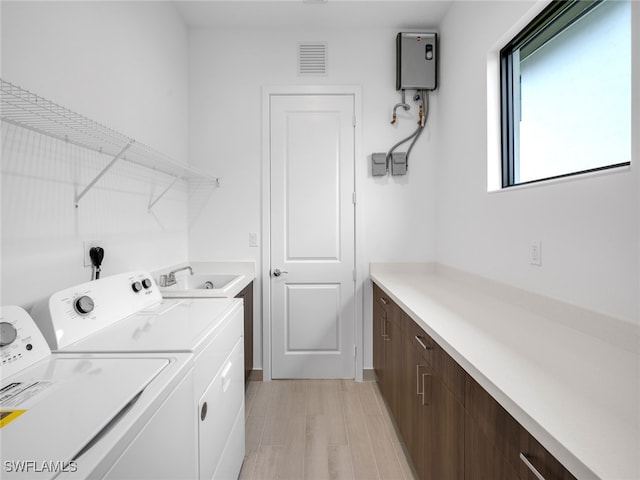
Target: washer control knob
(8, 333)
(136, 287)
(146, 283)
(84, 305)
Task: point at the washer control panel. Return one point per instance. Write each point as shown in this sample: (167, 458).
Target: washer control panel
(74, 313)
(21, 343)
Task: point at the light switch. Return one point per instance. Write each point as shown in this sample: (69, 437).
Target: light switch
(253, 239)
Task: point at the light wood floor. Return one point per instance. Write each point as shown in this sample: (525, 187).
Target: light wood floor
(320, 429)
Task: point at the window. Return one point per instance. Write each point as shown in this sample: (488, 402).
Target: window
(566, 92)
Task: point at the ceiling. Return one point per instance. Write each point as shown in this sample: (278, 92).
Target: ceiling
(334, 14)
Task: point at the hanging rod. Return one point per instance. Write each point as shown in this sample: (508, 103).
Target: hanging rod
(25, 109)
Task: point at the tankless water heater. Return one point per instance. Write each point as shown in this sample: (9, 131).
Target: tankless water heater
(416, 61)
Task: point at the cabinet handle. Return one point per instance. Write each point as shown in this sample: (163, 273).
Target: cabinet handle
(383, 327)
(530, 466)
(384, 301)
(422, 392)
(418, 392)
(422, 344)
(426, 401)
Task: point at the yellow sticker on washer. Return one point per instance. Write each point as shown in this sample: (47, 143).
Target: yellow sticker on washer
(8, 415)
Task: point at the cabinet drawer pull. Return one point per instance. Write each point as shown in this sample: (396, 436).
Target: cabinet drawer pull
(426, 401)
(422, 392)
(422, 344)
(530, 466)
(384, 301)
(385, 335)
(418, 392)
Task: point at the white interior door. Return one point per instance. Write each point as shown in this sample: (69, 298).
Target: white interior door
(312, 236)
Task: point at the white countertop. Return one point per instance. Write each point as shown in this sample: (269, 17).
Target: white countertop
(576, 392)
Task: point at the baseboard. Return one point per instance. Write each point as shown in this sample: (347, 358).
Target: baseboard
(368, 375)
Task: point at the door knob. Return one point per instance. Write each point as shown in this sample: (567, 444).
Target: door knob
(277, 272)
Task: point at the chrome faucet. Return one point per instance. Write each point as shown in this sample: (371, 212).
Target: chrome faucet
(168, 280)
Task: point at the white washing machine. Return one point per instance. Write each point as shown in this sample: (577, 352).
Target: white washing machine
(126, 313)
(79, 416)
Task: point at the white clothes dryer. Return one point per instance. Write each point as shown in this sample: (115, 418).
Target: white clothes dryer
(126, 313)
(79, 416)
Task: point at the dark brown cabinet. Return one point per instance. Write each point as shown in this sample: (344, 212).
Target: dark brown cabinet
(453, 429)
(416, 419)
(247, 297)
(388, 348)
(492, 437)
(498, 447)
(423, 388)
(447, 443)
(379, 325)
(433, 418)
(536, 457)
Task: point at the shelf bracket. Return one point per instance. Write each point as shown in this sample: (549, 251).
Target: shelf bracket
(151, 204)
(104, 170)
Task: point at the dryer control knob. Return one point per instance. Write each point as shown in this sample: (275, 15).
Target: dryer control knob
(84, 305)
(146, 283)
(136, 287)
(8, 333)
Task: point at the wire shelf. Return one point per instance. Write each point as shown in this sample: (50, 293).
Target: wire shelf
(25, 109)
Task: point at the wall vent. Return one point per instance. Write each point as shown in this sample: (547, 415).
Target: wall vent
(312, 58)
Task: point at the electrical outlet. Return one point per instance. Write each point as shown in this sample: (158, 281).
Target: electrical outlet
(88, 245)
(535, 253)
(253, 239)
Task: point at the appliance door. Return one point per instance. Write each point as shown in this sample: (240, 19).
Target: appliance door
(66, 405)
(219, 407)
(166, 447)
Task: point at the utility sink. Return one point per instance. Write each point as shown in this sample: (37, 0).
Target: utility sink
(202, 285)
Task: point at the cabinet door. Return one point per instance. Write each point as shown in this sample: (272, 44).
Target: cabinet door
(393, 361)
(416, 405)
(387, 347)
(439, 439)
(447, 433)
(536, 458)
(407, 404)
(247, 298)
(482, 460)
(498, 447)
(408, 387)
(378, 329)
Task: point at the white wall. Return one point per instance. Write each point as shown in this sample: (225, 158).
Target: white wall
(589, 226)
(123, 64)
(227, 72)
(131, 66)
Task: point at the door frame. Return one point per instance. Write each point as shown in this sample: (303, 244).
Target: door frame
(359, 172)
